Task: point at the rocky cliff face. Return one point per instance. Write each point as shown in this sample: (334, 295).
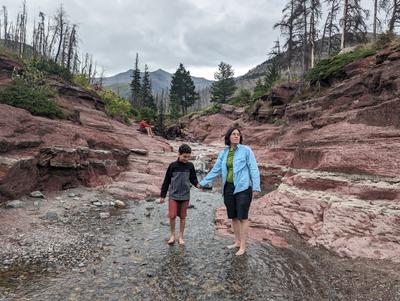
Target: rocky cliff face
(333, 164)
(87, 148)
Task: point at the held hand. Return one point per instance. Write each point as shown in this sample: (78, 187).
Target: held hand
(198, 186)
(162, 200)
(256, 194)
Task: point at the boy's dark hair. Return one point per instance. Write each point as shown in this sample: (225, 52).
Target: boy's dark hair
(229, 133)
(185, 149)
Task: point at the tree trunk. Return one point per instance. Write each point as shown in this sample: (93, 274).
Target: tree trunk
(343, 40)
(375, 18)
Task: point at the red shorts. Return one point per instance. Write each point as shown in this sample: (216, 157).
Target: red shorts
(177, 208)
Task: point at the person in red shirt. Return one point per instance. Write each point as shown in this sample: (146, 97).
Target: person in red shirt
(146, 127)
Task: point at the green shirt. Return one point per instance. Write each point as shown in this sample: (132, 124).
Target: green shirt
(229, 165)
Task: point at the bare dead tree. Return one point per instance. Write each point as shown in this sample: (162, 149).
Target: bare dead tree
(64, 47)
(392, 11)
(331, 27)
(353, 22)
(72, 44)
(60, 19)
(287, 27)
(76, 65)
(315, 15)
(5, 18)
(41, 34)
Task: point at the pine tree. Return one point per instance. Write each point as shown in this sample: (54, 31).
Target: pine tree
(135, 84)
(182, 92)
(224, 86)
(147, 99)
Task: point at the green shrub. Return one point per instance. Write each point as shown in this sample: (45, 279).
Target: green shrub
(213, 109)
(81, 80)
(334, 65)
(147, 114)
(116, 107)
(385, 39)
(52, 68)
(242, 98)
(22, 94)
(210, 110)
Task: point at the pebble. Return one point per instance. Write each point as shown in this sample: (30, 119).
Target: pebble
(51, 216)
(104, 215)
(37, 194)
(14, 204)
(150, 200)
(119, 204)
(71, 195)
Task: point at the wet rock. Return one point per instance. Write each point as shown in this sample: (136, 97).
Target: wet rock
(37, 194)
(104, 215)
(71, 195)
(14, 204)
(191, 206)
(147, 214)
(119, 204)
(51, 216)
(150, 200)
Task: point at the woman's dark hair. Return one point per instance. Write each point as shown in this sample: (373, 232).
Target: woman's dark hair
(185, 149)
(229, 133)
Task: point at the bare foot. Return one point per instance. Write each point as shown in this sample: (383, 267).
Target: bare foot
(240, 252)
(181, 241)
(235, 245)
(171, 240)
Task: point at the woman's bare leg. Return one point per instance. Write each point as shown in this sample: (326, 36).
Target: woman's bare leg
(244, 229)
(236, 231)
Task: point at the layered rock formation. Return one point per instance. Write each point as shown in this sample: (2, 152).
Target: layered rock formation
(87, 148)
(332, 161)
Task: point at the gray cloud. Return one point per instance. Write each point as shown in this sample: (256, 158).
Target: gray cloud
(198, 33)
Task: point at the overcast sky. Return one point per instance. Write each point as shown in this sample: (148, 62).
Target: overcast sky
(198, 33)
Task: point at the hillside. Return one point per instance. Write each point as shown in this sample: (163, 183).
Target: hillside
(160, 79)
(329, 159)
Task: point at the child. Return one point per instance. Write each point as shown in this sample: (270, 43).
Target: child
(178, 178)
(145, 127)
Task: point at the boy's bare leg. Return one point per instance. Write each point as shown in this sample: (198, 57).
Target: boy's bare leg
(244, 229)
(149, 132)
(172, 231)
(236, 231)
(181, 231)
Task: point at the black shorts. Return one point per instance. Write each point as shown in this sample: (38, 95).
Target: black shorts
(237, 205)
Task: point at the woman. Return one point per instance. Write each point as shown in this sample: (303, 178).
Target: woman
(240, 181)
